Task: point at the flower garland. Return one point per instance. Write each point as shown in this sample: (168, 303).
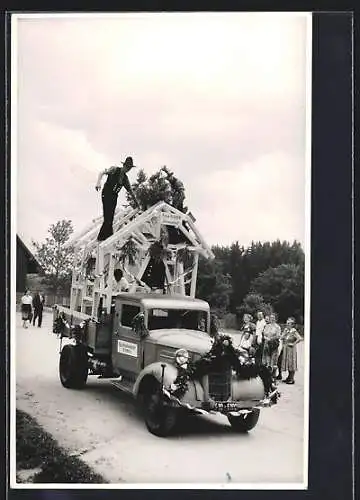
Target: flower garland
(138, 325)
(221, 357)
(60, 324)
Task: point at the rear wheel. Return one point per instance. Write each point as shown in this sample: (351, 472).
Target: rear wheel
(73, 366)
(160, 418)
(244, 423)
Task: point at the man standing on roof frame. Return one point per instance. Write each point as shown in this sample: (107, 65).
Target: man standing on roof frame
(116, 179)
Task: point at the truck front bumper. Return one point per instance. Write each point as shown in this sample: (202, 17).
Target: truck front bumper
(233, 408)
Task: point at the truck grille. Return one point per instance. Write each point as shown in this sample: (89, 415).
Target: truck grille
(220, 385)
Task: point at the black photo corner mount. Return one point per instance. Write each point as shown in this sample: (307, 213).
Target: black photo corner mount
(330, 438)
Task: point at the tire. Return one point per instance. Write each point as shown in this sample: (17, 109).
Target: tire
(73, 367)
(244, 423)
(160, 419)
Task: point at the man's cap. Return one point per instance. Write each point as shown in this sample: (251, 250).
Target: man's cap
(128, 162)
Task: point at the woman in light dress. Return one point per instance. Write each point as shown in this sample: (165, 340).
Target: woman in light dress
(290, 338)
(26, 308)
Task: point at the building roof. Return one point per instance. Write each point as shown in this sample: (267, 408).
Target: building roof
(30, 256)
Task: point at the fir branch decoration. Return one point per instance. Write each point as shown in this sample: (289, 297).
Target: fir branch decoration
(128, 252)
(221, 357)
(90, 266)
(185, 256)
(59, 324)
(158, 251)
(164, 236)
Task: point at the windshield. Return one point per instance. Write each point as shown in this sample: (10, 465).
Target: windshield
(177, 318)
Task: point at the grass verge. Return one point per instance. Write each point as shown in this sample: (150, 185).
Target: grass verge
(36, 449)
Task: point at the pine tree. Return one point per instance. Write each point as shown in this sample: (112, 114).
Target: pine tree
(56, 259)
(161, 186)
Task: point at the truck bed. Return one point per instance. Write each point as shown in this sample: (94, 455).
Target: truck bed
(97, 334)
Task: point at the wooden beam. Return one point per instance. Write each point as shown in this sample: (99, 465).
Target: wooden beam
(110, 283)
(181, 278)
(140, 236)
(194, 275)
(119, 222)
(83, 232)
(188, 235)
(121, 216)
(170, 286)
(209, 252)
(122, 233)
(139, 274)
(194, 228)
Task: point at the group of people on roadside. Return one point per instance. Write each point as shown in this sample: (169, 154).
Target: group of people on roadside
(270, 345)
(32, 308)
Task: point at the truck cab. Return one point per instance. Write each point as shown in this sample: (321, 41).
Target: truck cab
(154, 346)
(176, 321)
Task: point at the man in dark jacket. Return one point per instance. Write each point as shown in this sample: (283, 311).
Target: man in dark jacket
(116, 179)
(38, 305)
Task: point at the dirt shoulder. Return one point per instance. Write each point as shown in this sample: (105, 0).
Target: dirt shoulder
(101, 426)
(39, 458)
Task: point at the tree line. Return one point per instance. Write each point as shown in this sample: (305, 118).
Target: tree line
(265, 275)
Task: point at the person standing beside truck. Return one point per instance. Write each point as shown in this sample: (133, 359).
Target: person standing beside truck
(272, 334)
(26, 308)
(116, 179)
(38, 305)
(258, 340)
(291, 338)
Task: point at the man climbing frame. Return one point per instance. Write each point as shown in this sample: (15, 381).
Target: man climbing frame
(116, 179)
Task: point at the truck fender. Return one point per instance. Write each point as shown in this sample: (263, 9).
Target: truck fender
(155, 370)
(195, 393)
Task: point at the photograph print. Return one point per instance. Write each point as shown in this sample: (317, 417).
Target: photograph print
(160, 233)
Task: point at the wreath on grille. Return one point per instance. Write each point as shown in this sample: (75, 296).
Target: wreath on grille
(221, 357)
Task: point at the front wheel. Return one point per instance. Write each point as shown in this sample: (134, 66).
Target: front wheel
(160, 418)
(73, 366)
(244, 423)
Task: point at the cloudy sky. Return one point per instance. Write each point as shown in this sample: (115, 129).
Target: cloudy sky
(218, 98)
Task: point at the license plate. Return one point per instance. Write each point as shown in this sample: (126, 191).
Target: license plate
(225, 406)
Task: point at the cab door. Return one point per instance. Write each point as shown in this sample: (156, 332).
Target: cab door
(127, 349)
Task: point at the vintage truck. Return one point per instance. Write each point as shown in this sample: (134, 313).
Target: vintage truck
(159, 348)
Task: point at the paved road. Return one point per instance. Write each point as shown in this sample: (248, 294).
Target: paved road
(102, 425)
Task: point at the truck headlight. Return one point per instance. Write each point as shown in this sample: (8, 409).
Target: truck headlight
(181, 357)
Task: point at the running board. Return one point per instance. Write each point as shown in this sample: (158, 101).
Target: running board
(124, 385)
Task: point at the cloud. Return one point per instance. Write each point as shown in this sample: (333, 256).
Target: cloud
(250, 201)
(219, 99)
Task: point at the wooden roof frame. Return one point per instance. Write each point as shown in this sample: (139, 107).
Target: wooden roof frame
(129, 220)
(129, 223)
